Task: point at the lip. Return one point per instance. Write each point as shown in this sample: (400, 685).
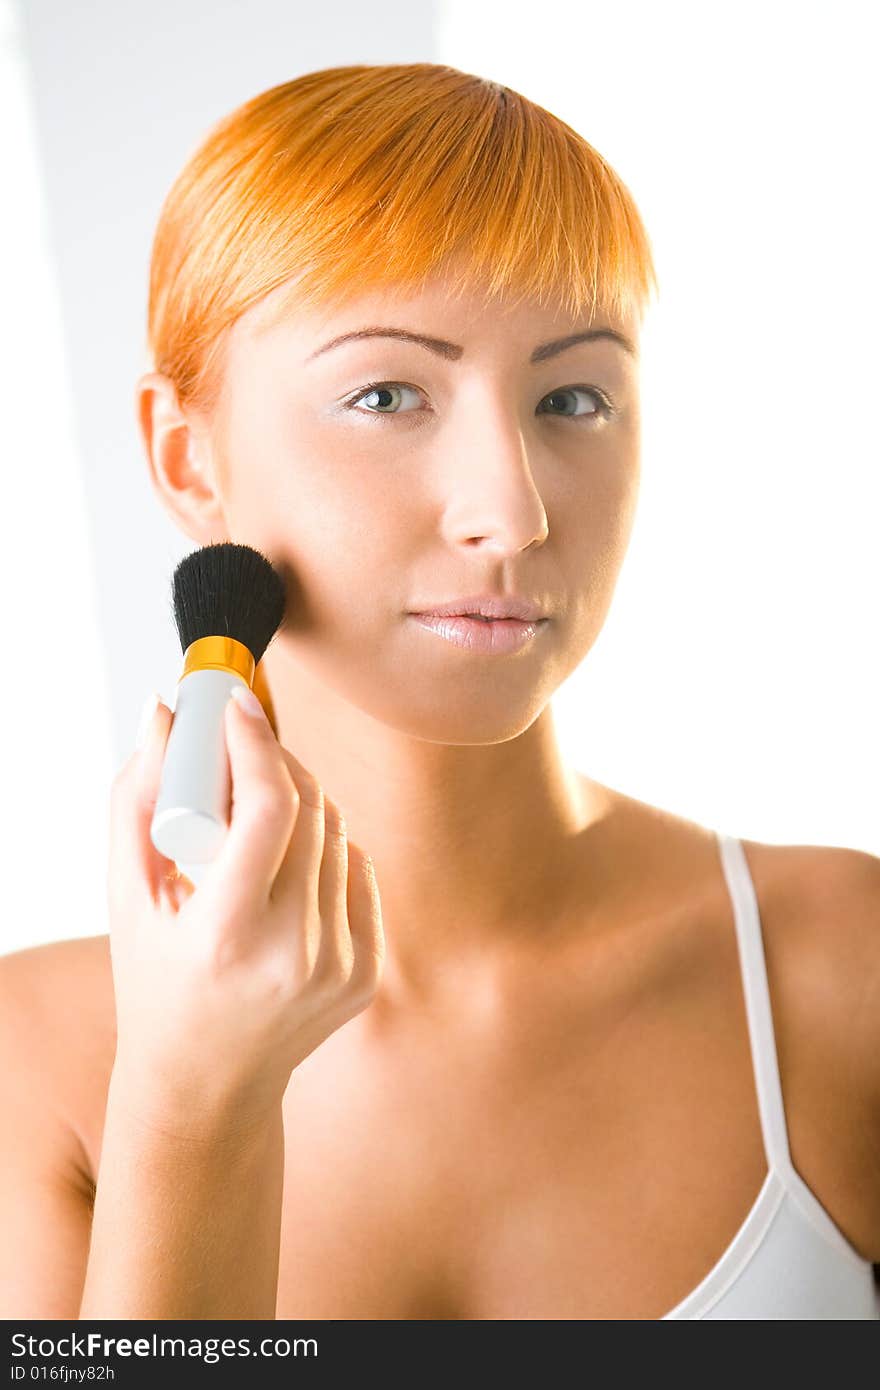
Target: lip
(495, 636)
(486, 605)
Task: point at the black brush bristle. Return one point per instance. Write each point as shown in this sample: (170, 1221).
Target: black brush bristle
(228, 590)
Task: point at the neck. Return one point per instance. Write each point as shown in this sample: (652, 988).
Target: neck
(476, 847)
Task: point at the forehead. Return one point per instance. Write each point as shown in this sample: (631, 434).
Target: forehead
(433, 308)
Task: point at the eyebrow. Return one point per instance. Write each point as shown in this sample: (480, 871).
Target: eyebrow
(453, 352)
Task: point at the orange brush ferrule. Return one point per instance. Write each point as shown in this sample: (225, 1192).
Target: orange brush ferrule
(219, 654)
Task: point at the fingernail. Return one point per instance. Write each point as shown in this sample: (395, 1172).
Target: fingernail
(150, 706)
(247, 700)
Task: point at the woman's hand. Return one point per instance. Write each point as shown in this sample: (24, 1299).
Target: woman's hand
(222, 991)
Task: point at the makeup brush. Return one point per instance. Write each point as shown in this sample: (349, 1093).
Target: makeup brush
(228, 603)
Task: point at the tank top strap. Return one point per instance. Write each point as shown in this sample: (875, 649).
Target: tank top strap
(759, 1013)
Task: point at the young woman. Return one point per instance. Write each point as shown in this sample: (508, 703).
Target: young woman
(455, 1031)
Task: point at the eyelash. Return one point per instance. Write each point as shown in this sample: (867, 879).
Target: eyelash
(606, 408)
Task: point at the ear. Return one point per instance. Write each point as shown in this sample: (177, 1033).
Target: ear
(178, 450)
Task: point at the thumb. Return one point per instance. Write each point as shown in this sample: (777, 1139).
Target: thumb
(262, 809)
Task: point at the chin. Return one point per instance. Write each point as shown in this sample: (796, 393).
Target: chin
(452, 710)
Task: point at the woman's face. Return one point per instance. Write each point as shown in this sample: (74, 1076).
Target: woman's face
(468, 469)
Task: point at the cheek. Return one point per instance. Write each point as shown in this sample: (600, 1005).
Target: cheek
(343, 552)
(592, 538)
(325, 517)
(594, 521)
(316, 506)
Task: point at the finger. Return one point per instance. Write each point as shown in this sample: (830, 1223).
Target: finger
(297, 885)
(350, 906)
(364, 921)
(335, 956)
(133, 858)
(264, 808)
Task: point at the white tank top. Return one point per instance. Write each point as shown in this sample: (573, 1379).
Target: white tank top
(788, 1259)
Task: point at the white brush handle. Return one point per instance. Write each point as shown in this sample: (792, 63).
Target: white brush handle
(191, 815)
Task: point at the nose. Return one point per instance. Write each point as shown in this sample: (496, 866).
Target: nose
(491, 499)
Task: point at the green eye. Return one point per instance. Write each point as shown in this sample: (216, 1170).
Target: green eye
(379, 388)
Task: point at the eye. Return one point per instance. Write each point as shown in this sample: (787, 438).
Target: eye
(378, 388)
(605, 407)
(387, 390)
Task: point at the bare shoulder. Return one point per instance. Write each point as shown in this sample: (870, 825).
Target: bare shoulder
(69, 986)
(59, 998)
(819, 907)
(820, 919)
(820, 910)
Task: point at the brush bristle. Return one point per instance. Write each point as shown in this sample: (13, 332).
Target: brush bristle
(228, 590)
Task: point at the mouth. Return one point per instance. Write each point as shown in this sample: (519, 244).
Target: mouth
(477, 633)
(485, 608)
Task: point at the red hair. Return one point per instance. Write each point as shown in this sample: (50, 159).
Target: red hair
(354, 178)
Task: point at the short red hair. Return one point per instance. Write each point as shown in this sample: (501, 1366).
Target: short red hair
(354, 178)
